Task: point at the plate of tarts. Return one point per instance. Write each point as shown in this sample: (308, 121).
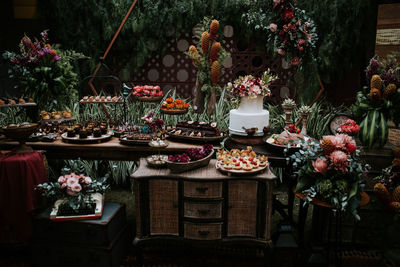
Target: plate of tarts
(241, 162)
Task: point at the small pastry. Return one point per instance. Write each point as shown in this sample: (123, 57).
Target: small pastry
(199, 134)
(96, 132)
(21, 101)
(25, 124)
(56, 115)
(213, 124)
(102, 98)
(237, 166)
(91, 98)
(85, 98)
(12, 125)
(228, 166)
(71, 132)
(11, 102)
(177, 132)
(247, 167)
(103, 129)
(82, 133)
(30, 100)
(2, 102)
(67, 114)
(97, 98)
(45, 116)
(191, 134)
(114, 99)
(89, 130)
(262, 163)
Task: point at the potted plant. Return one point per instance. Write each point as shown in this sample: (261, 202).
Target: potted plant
(330, 170)
(76, 196)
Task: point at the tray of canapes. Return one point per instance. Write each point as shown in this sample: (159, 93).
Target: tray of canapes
(89, 133)
(102, 99)
(56, 116)
(147, 93)
(238, 162)
(17, 102)
(174, 107)
(196, 131)
(136, 138)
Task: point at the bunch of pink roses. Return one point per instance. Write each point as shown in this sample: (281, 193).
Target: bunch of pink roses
(73, 183)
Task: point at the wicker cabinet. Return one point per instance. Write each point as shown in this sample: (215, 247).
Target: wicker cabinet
(202, 205)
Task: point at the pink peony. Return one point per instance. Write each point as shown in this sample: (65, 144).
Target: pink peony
(281, 51)
(61, 179)
(320, 165)
(72, 181)
(339, 161)
(273, 27)
(76, 188)
(71, 192)
(88, 180)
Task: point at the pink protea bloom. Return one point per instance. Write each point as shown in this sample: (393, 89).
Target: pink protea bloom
(72, 181)
(339, 161)
(337, 140)
(61, 179)
(76, 188)
(320, 165)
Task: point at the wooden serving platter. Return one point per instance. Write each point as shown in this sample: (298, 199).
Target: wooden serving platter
(119, 101)
(174, 111)
(240, 172)
(19, 105)
(89, 140)
(149, 98)
(125, 141)
(202, 139)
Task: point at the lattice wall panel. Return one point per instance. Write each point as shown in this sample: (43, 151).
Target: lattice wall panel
(175, 69)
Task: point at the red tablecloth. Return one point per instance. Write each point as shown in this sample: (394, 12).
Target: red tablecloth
(19, 174)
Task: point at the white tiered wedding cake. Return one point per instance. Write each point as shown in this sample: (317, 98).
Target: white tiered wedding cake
(250, 114)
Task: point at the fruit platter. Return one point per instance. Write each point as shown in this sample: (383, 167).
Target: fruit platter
(196, 131)
(193, 158)
(102, 99)
(148, 93)
(237, 162)
(17, 102)
(174, 107)
(288, 139)
(91, 132)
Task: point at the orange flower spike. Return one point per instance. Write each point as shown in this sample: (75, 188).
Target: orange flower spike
(214, 27)
(215, 71)
(193, 49)
(216, 47)
(205, 42)
(53, 52)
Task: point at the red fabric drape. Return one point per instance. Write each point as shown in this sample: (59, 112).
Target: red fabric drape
(19, 175)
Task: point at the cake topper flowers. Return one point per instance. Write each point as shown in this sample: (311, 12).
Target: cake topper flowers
(250, 86)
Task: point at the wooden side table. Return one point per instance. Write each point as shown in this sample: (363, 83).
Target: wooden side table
(202, 207)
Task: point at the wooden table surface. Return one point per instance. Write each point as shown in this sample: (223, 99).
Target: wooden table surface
(209, 172)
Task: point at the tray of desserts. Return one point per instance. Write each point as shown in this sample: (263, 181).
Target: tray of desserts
(147, 93)
(102, 99)
(197, 131)
(56, 116)
(240, 162)
(92, 132)
(17, 102)
(136, 138)
(289, 139)
(174, 107)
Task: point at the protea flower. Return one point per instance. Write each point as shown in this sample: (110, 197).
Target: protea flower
(205, 42)
(215, 71)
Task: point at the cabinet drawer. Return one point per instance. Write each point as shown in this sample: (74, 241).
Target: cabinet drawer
(202, 190)
(203, 231)
(203, 210)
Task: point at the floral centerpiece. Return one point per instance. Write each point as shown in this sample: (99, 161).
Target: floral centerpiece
(349, 127)
(76, 192)
(387, 188)
(378, 102)
(252, 87)
(330, 170)
(45, 72)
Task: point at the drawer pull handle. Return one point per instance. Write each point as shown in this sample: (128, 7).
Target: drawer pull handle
(204, 233)
(201, 189)
(203, 212)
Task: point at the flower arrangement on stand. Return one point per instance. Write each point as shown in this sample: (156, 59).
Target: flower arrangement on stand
(331, 171)
(45, 72)
(75, 191)
(379, 102)
(387, 189)
(208, 56)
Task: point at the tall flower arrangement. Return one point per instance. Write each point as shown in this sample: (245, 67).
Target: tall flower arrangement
(208, 56)
(378, 102)
(331, 171)
(44, 71)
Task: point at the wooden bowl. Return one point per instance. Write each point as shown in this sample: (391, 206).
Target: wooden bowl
(149, 98)
(174, 111)
(20, 133)
(178, 167)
